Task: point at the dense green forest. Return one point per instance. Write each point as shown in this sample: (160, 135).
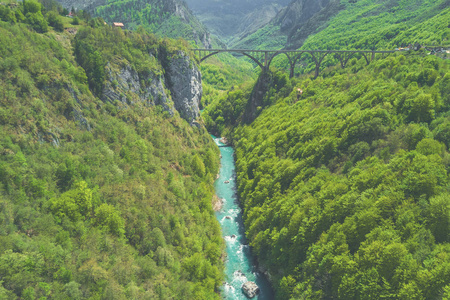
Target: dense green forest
(345, 187)
(362, 24)
(98, 200)
(222, 73)
(168, 18)
(368, 24)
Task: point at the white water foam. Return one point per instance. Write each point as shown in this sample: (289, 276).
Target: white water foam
(238, 276)
(228, 287)
(234, 212)
(231, 239)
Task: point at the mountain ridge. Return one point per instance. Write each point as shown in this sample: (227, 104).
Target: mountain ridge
(171, 18)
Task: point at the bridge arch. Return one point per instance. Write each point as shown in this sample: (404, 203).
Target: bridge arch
(263, 58)
(255, 60)
(269, 61)
(235, 51)
(209, 55)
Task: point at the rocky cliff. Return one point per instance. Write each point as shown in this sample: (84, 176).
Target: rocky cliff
(299, 12)
(305, 18)
(230, 19)
(184, 81)
(292, 24)
(125, 84)
(180, 89)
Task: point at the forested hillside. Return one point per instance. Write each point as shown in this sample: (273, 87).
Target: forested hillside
(169, 18)
(99, 199)
(368, 24)
(345, 187)
(349, 24)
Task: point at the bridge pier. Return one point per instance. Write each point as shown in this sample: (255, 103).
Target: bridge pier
(321, 55)
(291, 72)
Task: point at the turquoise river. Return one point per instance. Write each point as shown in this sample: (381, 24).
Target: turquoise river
(240, 264)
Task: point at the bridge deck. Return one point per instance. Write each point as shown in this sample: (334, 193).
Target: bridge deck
(295, 51)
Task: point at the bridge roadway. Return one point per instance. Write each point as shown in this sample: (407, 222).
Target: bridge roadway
(263, 58)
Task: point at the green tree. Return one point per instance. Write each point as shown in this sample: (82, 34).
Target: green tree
(198, 166)
(6, 14)
(439, 217)
(55, 21)
(108, 217)
(76, 204)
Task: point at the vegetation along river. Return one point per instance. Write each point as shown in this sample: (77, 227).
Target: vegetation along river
(239, 264)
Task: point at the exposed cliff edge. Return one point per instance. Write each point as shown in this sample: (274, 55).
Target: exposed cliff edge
(125, 84)
(180, 88)
(183, 78)
(308, 20)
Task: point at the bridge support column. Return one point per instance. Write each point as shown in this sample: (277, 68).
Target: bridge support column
(365, 57)
(316, 71)
(344, 58)
(321, 56)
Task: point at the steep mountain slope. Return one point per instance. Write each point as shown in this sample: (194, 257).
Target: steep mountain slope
(170, 18)
(300, 15)
(345, 187)
(368, 24)
(231, 19)
(364, 24)
(105, 191)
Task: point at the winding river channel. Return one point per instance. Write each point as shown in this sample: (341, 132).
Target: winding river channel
(239, 264)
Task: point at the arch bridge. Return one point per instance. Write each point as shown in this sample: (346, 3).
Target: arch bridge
(263, 58)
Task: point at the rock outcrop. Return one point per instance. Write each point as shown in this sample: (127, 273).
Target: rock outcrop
(125, 85)
(296, 22)
(232, 19)
(250, 289)
(298, 12)
(310, 16)
(183, 78)
(179, 89)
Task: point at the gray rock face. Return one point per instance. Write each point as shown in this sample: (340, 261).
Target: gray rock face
(300, 11)
(81, 120)
(126, 86)
(184, 81)
(312, 16)
(235, 18)
(250, 289)
(297, 21)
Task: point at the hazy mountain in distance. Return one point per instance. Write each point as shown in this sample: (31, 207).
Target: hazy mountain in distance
(171, 18)
(292, 24)
(233, 19)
